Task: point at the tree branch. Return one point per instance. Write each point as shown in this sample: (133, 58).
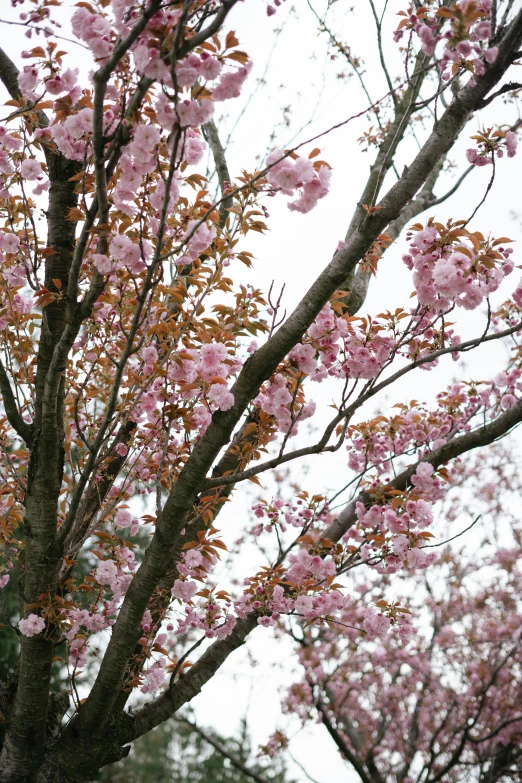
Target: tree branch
(509, 87)
(341, 744)
(26, 431)
(207, 32)
(482, 436)
(210, 132)
(187, 686)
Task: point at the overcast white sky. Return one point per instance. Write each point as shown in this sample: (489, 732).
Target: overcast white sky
(292, 71)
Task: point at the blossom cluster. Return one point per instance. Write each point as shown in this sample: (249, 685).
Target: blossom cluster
(305, 591)
(464, 38)
(392, 532)
(288, 173)
(336, 347)
(348, 347)
(454, 266)
(491, 144)
(420, 429)
(298, 513)
(390, 535)
(32, 625)
(278, 401)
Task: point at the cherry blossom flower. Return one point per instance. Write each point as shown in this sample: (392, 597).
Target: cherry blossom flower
(31, 625)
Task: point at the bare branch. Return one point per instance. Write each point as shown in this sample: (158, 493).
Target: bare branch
(237, 763)
(211, 134)
(509, 87)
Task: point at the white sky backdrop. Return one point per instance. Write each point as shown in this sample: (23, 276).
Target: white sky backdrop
(293, 71)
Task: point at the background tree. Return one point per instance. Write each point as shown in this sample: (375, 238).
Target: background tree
(446, 706)
(129, 372)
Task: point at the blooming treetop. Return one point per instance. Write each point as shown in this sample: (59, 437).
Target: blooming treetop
(139, 365)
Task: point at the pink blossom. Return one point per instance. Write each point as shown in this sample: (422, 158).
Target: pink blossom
(400, 545)
(146, 621)
(221, 396)
(304, 356)
(146, 137)
(28, 78)
(149, 354)
(187, 70)
(103, 263)
(199, 238)
(417, 559)
(30, 169)
(106, 572)
(184, 590)
(212, 356)
(155, 679)
(78, 652)
(314, 190)
(209, 66)
(123, 519)
(9, 243)
(376, 624)
(511, 142)
(193, 147)
(193, 112)
(94, 30)
(231, 82)
(507, 401)
(120, 246)
(517, 294)
(62, 82)
(31, 625)
(482, 31)
(21, 304)
(193, 558)
(201, 417)
(157, 198)
(427, 37)
(304, 605)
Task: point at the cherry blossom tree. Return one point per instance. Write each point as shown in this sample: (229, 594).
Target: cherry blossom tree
(143, 378)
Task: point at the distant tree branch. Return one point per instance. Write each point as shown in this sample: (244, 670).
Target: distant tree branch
(237, 763)
(341, 744)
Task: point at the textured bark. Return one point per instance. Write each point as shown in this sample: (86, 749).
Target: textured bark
(25, 741)
(218, 153)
